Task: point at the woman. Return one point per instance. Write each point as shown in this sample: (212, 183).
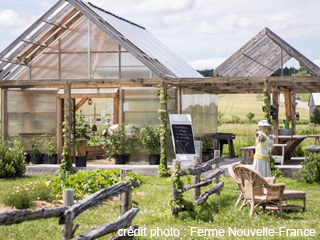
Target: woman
(263, 142)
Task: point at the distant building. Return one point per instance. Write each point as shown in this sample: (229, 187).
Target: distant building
(314, 101)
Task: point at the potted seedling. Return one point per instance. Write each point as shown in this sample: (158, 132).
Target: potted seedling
(50, 145)
(81, 159)
(114, 142)
(150, 138)
(36, 157)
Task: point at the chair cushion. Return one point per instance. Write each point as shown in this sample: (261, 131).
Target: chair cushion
(292, 195)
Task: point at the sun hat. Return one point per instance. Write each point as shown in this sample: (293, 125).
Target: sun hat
(264, 123)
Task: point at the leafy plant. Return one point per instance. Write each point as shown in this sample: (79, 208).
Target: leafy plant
(311, 169)
(35, 145)
(65, 166)
(275, 172)
(250, 116)
(315, 118)
(77, 148)
(115, 142)
(82, 128)
(150, 137)
(50, 145)
(206, 141)
(235, 119)
(220, 116)
(12, 159)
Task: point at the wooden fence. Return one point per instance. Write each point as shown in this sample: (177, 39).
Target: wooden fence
(70, 211)
(196, 170)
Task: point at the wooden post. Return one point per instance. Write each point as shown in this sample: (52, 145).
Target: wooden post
(116, 104)
(68, 199)
(286, 94)
(125, 198)
(293, 110)
(67, 116)
(163, 123)
(267, 95)
(196, 178)
(175, 168)
(217, 165)
(275, 127)
(61, 119)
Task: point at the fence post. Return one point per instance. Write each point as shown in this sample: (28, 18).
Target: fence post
(68, 199)
(125, 198)
(196, 179)
(217, 165)
(175, 167)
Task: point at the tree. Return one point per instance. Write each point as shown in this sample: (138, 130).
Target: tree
(315, 118)
(303, 71)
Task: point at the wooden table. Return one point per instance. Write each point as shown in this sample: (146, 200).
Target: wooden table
(248, 153)
(292, 142)
(219, 139)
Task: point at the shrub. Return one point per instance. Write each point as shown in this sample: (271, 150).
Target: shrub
(82, 127)
(150, 138)
(235, 119)
(311, 169)
(315, 118)
(275, 172)
(12, 159)
(250, 116)
(21, 197)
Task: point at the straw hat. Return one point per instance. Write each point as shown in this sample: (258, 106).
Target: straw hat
(264, 123)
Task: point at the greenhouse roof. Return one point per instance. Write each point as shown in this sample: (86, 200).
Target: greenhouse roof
(262, 56)
(64, 14)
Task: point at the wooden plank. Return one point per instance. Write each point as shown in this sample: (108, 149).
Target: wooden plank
(174, 192)
(93, 200)
(125, 198)
(19, 216)
(67, 116)
(196, 178)
(286, 94)
(80, 103)
(61, 119)
(203, 198)
(109, 227)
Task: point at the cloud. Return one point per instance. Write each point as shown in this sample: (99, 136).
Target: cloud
(317, 62)
(8, 18)
(203, 64)
(45, 5)
(166, 5)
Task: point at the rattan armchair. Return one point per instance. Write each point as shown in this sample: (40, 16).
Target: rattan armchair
(270, 180)
(257, 191)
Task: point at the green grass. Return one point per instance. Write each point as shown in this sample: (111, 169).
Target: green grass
(153, 198)
(241, 104)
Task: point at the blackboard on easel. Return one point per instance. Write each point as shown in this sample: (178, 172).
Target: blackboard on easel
(182, 136)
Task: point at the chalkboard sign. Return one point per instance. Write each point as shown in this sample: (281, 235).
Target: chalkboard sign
(183, 138)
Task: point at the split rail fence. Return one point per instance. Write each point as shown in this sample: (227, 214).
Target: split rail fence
(70, 211)
(196, 170)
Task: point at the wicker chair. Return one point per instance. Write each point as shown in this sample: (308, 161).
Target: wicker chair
(270, 180)
(257, 191)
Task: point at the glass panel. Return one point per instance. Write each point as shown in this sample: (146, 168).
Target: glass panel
(23, 75)
(138, 120)
(135, 72)
(105, 65)
(74, 66)
(128, 60)
(45, 67)
(32, 101)
(100, 41)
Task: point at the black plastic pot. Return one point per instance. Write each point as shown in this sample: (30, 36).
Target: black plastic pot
(121, 158)
(154, 159)
(27, 158)
(44, 158)
(207, 154)
(37, 159)
(81, 161)
(52, 159)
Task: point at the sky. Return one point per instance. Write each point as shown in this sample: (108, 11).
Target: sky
(202, 32)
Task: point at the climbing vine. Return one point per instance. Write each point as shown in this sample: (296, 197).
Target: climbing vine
(266, 106)
(65, 167)
(162, 169)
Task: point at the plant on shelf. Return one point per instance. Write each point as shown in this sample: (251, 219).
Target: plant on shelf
(116, 146)
(82, 128)
(36, 157)
(150, 138)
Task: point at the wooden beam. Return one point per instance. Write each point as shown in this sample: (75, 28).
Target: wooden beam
(116, 109)
(293, 52)
(61, 119)
(293, 110)
(80, 103)
(287, 101)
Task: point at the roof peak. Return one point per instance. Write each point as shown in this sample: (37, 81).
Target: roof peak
(114, 15)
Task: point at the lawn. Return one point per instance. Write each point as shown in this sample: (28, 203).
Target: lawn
(153, 198)
(241, 104)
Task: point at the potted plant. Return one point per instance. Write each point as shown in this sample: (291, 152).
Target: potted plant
(50, 145)
(207, 148)
(81, 160)
(150, 138)
(116, 145)
(36, 157)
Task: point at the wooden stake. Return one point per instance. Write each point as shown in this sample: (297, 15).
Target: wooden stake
(68, 199)
(196, 179)
(217, 165)
(175, 168)
(125, 198)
